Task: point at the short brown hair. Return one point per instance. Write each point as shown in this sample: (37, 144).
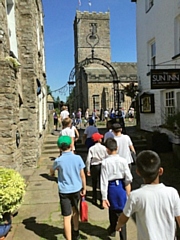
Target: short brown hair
(148, 163)
(116, 127)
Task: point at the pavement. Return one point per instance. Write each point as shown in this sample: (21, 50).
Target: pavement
(39, 217)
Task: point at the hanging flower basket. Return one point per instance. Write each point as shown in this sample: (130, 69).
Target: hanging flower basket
(12, 190)
(13, 62)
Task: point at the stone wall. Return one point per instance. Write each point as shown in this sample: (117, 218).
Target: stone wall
(9, 123)
(23, 111)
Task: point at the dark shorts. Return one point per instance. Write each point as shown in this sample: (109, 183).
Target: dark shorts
(55, 121)
(67, 201)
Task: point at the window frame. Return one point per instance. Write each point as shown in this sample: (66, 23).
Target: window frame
(169, 103)
(153, 54)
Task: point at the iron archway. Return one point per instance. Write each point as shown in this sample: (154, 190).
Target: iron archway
(88, 61)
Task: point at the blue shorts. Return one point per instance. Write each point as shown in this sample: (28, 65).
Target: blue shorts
(67, 201)
(117, 194)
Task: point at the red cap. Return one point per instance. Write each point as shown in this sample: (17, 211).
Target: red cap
(96, 136)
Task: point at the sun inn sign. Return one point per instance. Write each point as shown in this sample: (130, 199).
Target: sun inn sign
(165, 78)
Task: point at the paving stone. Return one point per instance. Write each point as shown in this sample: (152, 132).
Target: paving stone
(41, 212)
(41, 174)
(97, 214)
(43, 196)
(42, 185)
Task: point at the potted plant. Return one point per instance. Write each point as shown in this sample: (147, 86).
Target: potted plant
(12, 190)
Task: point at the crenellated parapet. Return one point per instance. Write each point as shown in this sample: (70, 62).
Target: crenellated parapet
(93, 15)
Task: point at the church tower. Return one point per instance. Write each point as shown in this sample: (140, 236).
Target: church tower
(92, 32)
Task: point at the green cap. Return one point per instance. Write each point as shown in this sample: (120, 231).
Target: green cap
(65, 140)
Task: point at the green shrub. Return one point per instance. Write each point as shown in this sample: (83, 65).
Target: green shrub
(12, 190)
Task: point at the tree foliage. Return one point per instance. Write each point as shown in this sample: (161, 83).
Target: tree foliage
(131, 90)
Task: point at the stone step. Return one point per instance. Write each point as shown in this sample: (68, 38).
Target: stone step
(50, 146)
(50, 152)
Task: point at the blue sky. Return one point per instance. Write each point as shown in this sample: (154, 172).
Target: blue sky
(59, 39)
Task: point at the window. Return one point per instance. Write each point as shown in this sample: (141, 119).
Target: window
(169, 103)
(153, 55)
(12, 26)
(149, 4)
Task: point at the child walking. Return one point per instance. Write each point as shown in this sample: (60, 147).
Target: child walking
(115, 185)
(124, 143)
(95, 156)
(155, 205)
(71, 184)
(68, 131)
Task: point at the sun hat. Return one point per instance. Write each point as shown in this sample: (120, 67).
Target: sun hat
(96, 136)
(64, 140)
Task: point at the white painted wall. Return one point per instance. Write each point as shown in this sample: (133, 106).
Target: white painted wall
(159, 24)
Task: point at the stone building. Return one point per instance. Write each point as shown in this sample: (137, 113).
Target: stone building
(94, 73)
(23, 112)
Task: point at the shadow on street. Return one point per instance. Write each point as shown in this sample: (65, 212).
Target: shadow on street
(42, 229)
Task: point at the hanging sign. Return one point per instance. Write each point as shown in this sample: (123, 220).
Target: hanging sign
(165, 78)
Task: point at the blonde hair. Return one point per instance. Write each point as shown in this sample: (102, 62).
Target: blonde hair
(66, 122)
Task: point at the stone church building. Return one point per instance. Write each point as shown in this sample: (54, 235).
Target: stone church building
(94, 77)
(23, 111)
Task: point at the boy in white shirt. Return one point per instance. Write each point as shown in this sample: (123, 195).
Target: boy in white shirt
(116, 181)
(155, 205)
(95, 156)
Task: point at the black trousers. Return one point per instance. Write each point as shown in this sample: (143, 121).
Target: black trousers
(113, 218)
(95, 176)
